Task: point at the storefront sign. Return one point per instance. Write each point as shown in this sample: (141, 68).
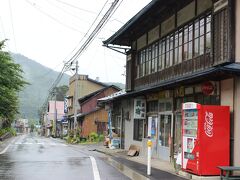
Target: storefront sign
(65, 105)
(139, 108)
(64, 119)
(179, 92)
(151, 97)
(207, 88)
(152, 127)
(165, 94)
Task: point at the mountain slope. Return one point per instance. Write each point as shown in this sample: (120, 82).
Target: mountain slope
(40, 79)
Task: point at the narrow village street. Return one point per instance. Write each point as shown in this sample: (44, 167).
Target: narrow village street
(117, 90)
(30, 157)
(33, 157)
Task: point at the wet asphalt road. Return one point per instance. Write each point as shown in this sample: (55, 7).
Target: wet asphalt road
(32, 157)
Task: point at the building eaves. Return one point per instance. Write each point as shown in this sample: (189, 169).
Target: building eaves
(89, 96)
(87, 113)
(97, 82)
(213, 73)
(128, 25)
(149, 17)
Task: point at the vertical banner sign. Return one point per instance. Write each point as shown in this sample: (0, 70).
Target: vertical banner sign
(65, 105)
(139, 108)
(149, 126)
(152, 127)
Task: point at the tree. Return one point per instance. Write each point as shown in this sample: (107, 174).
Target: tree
(61, 92)
(11, 82)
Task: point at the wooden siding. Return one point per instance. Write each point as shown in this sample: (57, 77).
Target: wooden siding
(222, 52)
(90, 121)
(221, 37)
(173, 72)
(91, 103)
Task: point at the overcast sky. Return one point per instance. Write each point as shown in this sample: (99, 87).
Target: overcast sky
(48, 31)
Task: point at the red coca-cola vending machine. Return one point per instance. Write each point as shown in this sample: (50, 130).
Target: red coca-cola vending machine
(205, 138)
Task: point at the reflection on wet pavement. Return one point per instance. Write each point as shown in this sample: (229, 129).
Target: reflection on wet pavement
(125, 170)
(39, 158)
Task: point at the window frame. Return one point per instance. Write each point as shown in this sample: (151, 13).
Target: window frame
(186, 42)
(137, 135)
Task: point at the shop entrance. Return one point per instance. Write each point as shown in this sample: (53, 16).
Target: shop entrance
(165, 123)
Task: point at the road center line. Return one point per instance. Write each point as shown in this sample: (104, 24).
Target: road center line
(95, 168)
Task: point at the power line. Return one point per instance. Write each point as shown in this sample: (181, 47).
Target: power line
(67, 12)
(97, 29)
(14, 39)
(75, 7)
(85, 10)
(91, 37)
(90, 26)
(51, 17)
(3, 31)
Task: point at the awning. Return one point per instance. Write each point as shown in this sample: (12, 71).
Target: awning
(213, 73)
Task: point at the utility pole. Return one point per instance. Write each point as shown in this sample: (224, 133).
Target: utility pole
(75, 98)
(55, 113)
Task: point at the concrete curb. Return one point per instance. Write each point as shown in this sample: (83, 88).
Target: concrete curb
(114, 155)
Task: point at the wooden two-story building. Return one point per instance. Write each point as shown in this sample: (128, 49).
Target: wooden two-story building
(93, 118)
(178, 51)
(85, 86)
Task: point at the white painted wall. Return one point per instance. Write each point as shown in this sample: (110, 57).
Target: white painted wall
(227, 93)
(237, 30)
(236, 159)
(129, 126)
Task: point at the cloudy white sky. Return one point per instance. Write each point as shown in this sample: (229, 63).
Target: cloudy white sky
(47, 31)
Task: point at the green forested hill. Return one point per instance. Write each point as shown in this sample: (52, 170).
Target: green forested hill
(40, 79)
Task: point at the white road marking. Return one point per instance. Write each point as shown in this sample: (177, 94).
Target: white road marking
(6, 148)
(95, 168)
(39, 143)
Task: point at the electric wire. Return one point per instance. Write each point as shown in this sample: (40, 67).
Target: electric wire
(95, 31)
(3, 31)
(66, 12)
(85, 35)
(75, 7)
(100, 25)
(13, 32)
(51, 17)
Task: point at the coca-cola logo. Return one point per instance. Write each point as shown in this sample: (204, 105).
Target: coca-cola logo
(208, 124)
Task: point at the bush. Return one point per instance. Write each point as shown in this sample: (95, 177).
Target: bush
(93, 137)
(2, 132)
(68, 139)
(6, 130)
(71, 133)
(101, 138)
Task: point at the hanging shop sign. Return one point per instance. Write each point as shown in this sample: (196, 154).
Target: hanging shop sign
(139, 108)
(65, 105)
(64, 119)
(207, 88)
